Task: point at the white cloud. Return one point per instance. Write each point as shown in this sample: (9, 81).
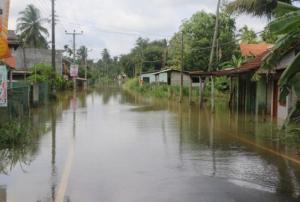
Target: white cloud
(115, 24)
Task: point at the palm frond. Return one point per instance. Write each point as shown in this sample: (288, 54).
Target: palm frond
(289, 78)
(253, 7)
(282, 46)
(286, 23)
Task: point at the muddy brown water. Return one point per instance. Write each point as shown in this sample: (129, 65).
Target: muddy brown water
(108, 145)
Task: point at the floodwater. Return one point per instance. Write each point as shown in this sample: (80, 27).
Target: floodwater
(110, 146)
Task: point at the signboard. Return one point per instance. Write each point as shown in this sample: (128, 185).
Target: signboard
(4, 14)
(74, 71)
(3, 86)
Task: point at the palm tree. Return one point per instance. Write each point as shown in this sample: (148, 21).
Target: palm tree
(261, 7)
(248, 35)
(82, 54)
(30, 28)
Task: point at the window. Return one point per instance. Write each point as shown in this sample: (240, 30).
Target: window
(196, 79)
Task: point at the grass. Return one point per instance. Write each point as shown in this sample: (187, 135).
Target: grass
(166, 91)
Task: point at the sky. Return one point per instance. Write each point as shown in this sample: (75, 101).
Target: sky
(116, 24)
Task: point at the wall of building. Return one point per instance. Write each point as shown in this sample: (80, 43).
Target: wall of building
(176, 79)
(28, 57)
(149, 76)
(163, 77)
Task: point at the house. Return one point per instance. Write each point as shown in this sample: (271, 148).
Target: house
(167, 76)
(172, 77)
(270, 90)
(28, 57)
(257, 95)
(148, 77)
(254, 49)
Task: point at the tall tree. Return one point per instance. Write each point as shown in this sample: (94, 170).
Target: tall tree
(248, 35)
(198, 32)
(30, 28)
(82, 53)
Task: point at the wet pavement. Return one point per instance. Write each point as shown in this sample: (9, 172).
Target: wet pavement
(108, 145)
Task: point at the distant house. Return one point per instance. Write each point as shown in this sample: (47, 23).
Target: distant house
(172, 77)
(148, 77)
(167, 76)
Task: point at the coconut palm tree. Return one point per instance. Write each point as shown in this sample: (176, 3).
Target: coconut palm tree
(30, 28)
(261, 7)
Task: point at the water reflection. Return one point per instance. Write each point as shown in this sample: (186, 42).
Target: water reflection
(224, 145)
(108, 141)
(2, 193)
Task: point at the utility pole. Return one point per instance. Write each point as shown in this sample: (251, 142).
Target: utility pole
(212, 53)
(74, 34)
(181, 72)
(53, 44)
(85, 64)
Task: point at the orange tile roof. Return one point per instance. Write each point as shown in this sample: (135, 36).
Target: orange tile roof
(252, 65)
(10, 61)
(254, 49)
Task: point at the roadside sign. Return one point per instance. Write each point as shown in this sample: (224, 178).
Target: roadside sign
(74, 71)
(3, 86)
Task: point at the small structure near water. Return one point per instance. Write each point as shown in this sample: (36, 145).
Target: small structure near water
(169, 76)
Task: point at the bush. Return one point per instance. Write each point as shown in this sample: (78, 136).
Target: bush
(14, 133)
(45, 73)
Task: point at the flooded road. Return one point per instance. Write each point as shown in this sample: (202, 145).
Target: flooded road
(107, 145)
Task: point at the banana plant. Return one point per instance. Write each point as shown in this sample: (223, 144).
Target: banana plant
(288, 26)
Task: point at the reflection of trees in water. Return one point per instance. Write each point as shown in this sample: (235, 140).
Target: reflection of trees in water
(22, 149)
(18, 149)
(108, 93)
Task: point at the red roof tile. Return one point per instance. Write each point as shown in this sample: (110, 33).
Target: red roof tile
(249, 66)
(254, 49)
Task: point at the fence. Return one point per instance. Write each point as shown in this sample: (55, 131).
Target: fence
(18, 101)
(43, 93)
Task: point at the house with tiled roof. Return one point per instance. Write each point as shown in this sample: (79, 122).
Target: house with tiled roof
(257, 95)
(243, 88)
(254, 49)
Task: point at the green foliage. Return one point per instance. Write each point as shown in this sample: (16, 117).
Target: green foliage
(45, 73)
(14, 133)
(144, 57)
(30, 28)
(166, 91)
(260, 7)
(268, 36)
(198, 32)
(222, 84)
(41, 73)
(108, 66)
(248, 35)
(235, 62)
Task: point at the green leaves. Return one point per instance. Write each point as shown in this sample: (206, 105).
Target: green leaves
(198, 32)
(287, 23)
(282, 46)
(290, 72)
(30, 28)
(253, 7)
